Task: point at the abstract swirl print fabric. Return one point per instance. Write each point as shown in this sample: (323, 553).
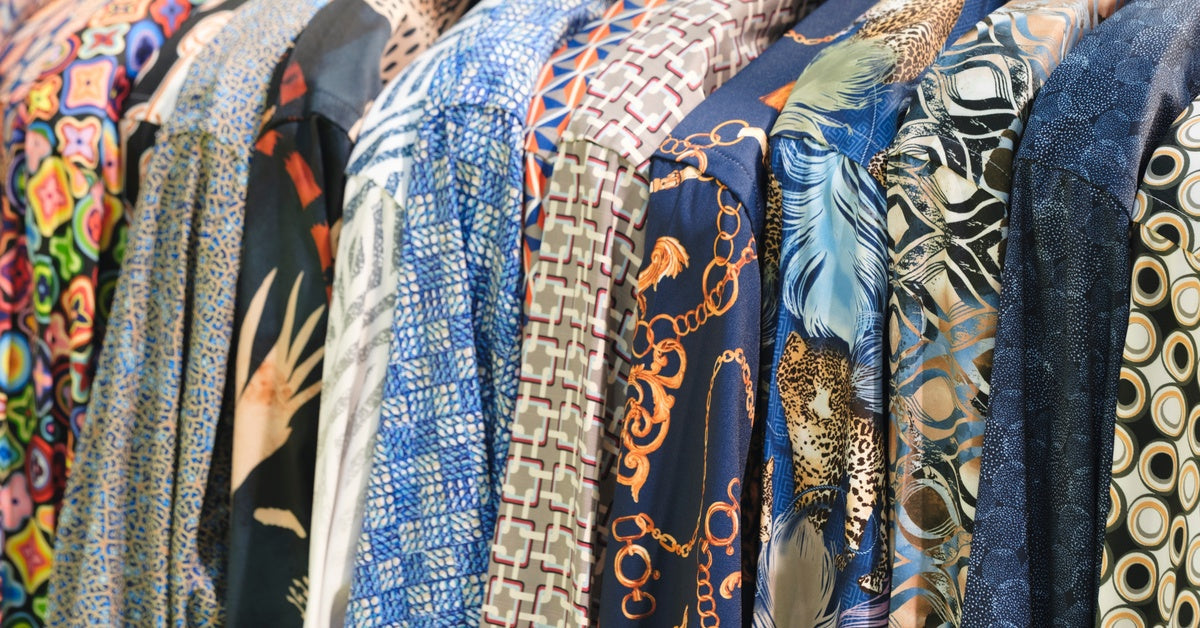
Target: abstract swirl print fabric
(949, 174)
(1150, 571)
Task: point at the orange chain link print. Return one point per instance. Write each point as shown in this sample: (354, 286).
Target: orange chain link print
(652, 387)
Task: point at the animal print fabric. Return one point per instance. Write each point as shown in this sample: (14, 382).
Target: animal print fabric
(580, 320)
(949, 174)
(1150, 569)
(1046, 462)
(693, 400)
(451, 375)
(317, 96)
(366, 277)
(824, 560)
(64, 230)
(142, 537)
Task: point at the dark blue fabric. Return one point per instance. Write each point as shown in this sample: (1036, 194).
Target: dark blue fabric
(1047, 452)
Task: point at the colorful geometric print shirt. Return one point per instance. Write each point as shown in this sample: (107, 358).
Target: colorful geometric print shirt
(561, 86)
(1036, 554)
(948, 184)
(575, 355)
(825, 558)
(693, 386)
(145, 518)
(1150, 572)
(366, 277)
(297, 176)
(63, 230)
(431, 498)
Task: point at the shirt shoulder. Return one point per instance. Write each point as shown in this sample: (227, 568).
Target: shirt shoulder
(1108, 104)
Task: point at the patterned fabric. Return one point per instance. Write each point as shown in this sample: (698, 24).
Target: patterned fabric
(1150, 572)
(824, 559)
(296, 180)
(560, 88)
(145, 518)
(430, 505)
(1047, 447)
(948, 184)
(68, 187)
(696, 352)
(156, 90)
(575, 357)
(365, 279)
(13, 14)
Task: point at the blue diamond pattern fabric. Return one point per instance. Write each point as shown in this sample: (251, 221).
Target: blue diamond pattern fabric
(1047, 447)
(450, 386)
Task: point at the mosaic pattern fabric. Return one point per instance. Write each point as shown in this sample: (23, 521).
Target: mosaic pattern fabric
(824, 560)
(1150, 572)
(575, 357)
(1047, 447)
(430, 504)
(365, 279)
(142, 537)
(297, 176)
(693, 399)
(561, 86)
(948, 185)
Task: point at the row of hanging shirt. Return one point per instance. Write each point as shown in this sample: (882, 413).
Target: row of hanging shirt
(530, 323)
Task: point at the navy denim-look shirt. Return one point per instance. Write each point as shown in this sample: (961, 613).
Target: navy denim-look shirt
(1044, 485)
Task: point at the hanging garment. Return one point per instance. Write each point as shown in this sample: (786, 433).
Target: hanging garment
(294, 205)
(67, 167)
(562, 85)
(825, 558)
(580, 317)
(68, 184)
(366, 277)
(694, 378)
(949, 175)
(144, 522)
(1047, 447)
(153, 96)
(431, 498)
(1149, 571)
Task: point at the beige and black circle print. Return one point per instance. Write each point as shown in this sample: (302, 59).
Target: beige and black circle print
(1150, 575)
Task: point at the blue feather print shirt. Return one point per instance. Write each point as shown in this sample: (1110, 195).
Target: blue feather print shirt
(824, 559)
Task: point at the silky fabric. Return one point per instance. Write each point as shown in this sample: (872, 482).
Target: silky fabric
(362, 303)
(692, 401)
(1047, 447)
(1148, 575)
(562, 85)
(142, 536)
(949, 175)
(575, 355)
(317, 95)
(431, 498)
(513, 594)
(825, 558)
